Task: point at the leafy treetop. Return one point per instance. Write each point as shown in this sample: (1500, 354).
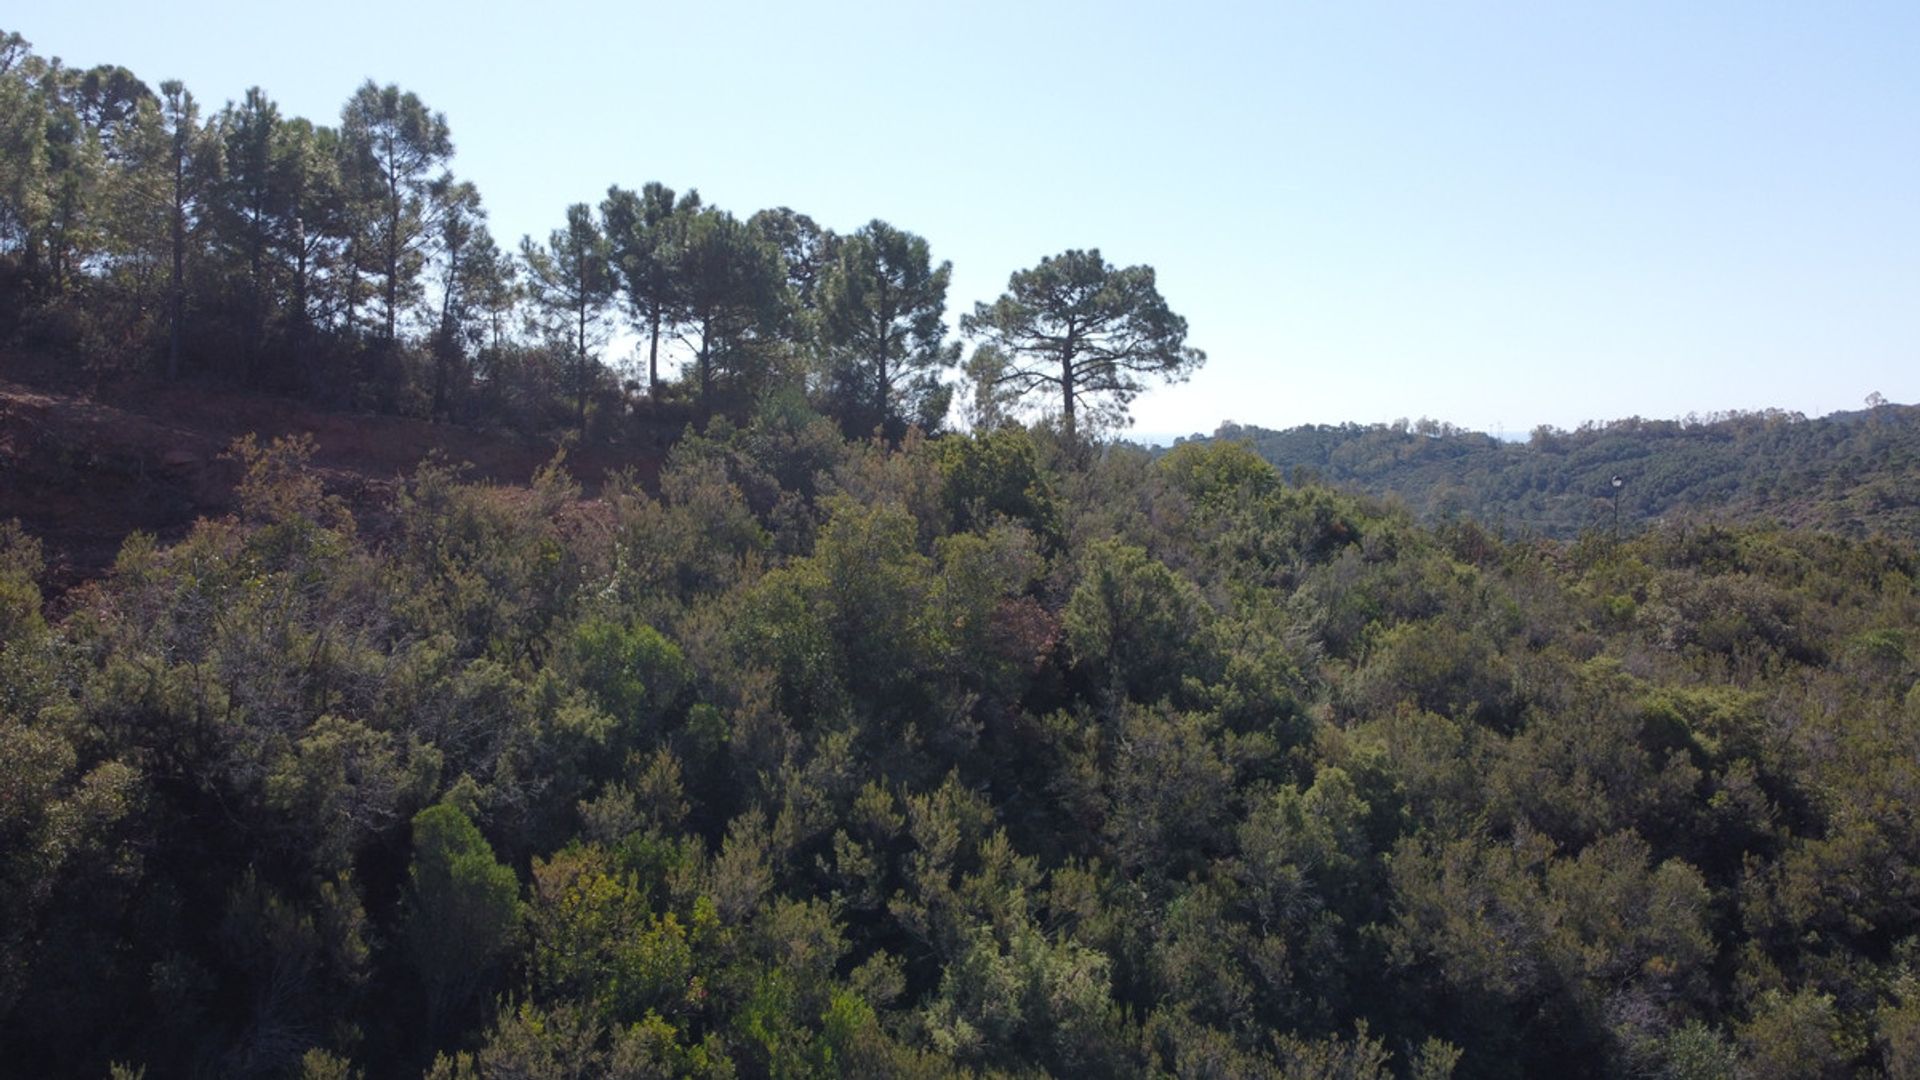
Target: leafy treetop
(1091, 332)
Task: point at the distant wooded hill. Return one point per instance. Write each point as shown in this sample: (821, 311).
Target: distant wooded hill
(1853, 472)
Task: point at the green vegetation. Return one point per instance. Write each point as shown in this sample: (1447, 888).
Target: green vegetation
(1077, 327)
(1850, 472)
(926, 754)
(970, 756)
(348, 265)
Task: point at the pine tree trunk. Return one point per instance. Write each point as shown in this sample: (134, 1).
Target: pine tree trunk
(393, 240)
(580, 372)
(176, 287)
(653, 359)
(1066, 399)
(442, 353)
(706, 381)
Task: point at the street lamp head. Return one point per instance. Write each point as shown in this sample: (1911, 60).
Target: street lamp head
(1618, 482)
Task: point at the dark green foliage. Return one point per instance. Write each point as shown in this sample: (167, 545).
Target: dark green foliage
(1083, 333)
(997, 474)
(635, 676)
(643, 232)
(393, 149)
(350, 265)
(882, 304)
(1136, 628)
(572, 283)
(463, 910)
(1000, 754)
(943, 757)
(735, 296)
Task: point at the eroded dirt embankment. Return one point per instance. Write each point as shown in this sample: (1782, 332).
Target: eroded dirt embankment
(83, 470)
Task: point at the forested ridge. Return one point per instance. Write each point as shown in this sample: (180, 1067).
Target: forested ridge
(977, 755)
(142, 235)
(845, 745)
(1856, 472)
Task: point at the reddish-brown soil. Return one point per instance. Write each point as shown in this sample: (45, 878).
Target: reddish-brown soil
(82, 469)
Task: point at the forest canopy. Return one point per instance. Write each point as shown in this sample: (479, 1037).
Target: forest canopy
(967, 757)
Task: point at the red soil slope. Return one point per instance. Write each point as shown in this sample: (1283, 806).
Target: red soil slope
(83, 470)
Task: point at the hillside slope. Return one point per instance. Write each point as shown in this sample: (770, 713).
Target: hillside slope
(1857, 473)
(971, 757)
(83, 470)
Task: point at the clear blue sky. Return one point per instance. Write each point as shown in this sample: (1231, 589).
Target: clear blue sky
(1493, 214)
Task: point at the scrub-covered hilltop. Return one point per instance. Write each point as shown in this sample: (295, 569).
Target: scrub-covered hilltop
(1855, 472)
(980, 755)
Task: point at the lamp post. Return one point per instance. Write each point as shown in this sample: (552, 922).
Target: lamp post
(1618, 483)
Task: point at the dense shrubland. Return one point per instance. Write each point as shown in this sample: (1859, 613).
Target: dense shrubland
(999, 754)
(976, 755)
(1849, 472)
